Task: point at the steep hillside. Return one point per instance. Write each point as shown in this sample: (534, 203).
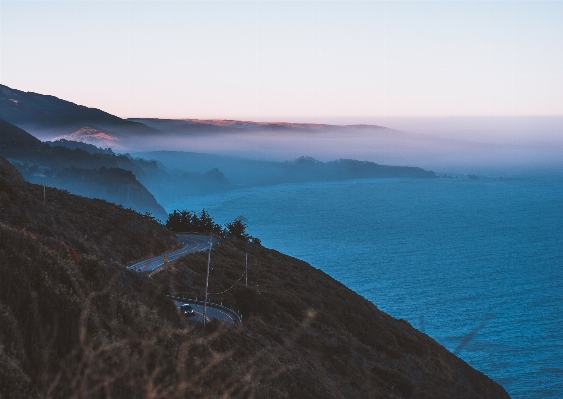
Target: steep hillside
(16, 139)
(316, 337)
(68, 222)
(9, 173)
(96, 175)
(48, 116)
(77, 325)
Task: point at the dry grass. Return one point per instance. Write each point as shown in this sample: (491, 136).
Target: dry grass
(309, 336)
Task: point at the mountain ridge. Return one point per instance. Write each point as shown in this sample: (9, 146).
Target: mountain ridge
(92, 175)
(49, 116)
(186, 127)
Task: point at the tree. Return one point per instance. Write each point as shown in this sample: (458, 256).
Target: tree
(205, 222)
(189, 222)
(174, 221)
(237, 229)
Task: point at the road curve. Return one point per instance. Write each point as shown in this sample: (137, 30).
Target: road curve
(191, 243)
(211, 313)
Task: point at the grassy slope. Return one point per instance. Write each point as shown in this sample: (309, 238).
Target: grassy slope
(74, 323)
(67, 305)
(72, 328)
(319, 338)
(79, 224)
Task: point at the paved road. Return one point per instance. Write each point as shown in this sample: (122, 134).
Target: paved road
(211, 313)
(192, 243)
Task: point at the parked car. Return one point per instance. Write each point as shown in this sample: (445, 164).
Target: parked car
(187, 310)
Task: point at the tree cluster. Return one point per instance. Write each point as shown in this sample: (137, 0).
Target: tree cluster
(186, 221)
(237, 229)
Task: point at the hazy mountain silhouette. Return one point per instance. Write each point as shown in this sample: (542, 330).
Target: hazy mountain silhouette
(283, 140)
(252, 172)
(48, 116)
(186, 127)
(95, 175)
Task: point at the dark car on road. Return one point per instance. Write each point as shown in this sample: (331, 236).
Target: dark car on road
(187, 310)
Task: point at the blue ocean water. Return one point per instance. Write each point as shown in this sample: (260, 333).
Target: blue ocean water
(451, 256)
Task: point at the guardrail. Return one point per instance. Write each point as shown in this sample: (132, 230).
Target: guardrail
(182, 297)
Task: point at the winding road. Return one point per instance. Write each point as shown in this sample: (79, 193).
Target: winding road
(212, 313)
(192, 243)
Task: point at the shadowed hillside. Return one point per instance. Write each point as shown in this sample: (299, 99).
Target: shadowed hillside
(48, 116)
(68, 222)
(318, 337)
(76, 323)
(93, 174)
(78, 326)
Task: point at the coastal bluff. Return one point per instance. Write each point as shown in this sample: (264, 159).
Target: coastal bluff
(75, 323)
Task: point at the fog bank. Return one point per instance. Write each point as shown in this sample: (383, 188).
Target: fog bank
(383, 146)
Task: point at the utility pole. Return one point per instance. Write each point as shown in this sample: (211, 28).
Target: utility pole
(207, 278)
(44, 195)
(246, 270)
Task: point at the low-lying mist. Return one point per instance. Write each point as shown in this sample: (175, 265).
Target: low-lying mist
(380, 145)
(492, 129)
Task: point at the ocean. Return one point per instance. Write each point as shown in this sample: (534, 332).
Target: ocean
(477, 264)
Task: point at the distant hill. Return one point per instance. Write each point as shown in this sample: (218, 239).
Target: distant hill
(96, 175)
(252, 172)
(48, 116)
(187, 127)
(73, 145)
(189, 173)
(51, 118)
(93, 136)
(182, 173)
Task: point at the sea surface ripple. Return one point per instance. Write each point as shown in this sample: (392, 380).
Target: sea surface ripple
(447, 255)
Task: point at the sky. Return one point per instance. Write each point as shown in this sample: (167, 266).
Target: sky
(299, 61)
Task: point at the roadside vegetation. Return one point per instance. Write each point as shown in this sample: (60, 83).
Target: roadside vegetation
(189, 222)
